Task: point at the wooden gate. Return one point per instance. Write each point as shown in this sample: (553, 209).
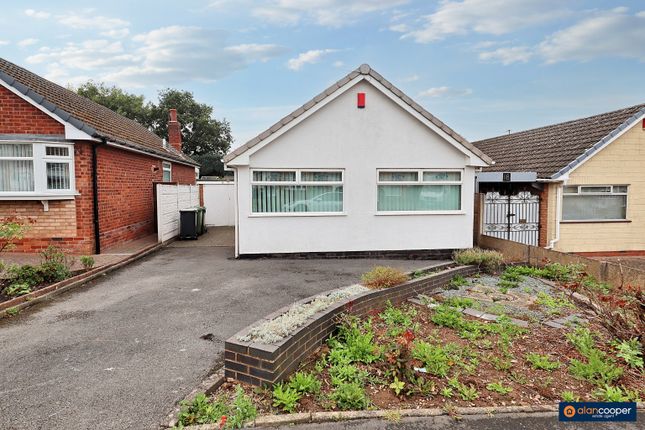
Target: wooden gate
(512, 217)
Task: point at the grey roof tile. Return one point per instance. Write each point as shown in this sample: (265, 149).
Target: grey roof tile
(364, 69)
(555, 148)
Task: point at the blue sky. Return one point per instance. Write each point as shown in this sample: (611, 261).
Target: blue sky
(482, 66)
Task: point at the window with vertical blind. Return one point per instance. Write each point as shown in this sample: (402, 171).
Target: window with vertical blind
(36, 169)
(418, 190)
(297, 191)
(594, 202)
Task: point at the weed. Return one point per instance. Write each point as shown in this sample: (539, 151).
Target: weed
(392, 416)
(242, 410)
(591, 283)
(423, 386)
(502, 364)
(460, 302)
(446, 392)
(12, 312)
(383, 277)
(468, 392)
(497, 387)
(630, 351)
(569, 396)
(398, 319)
(355, 342)
(203, 411)
(350, 396)
(397, 385)
(485, 344)
(485, 259)
(346, 373)
(554, 305)
(543, 362)
(285, 397)
(456, 282)
(87, 261)
(17, 289)
(616, 394)
(447, 316)
(304, 383)
(519, 378)
(562, 272)
(598, 369)
(433, 357)
(582, 339)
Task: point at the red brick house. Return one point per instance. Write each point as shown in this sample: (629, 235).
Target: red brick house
(81, 175)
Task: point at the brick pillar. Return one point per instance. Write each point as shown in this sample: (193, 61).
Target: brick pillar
(174, 130)
(543, 238)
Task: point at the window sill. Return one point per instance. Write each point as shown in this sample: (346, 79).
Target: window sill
(296, 214)
(70, 196)
(596, 221)
(394, 213)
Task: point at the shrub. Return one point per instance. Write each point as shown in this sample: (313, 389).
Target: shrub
(285, 397)
(17, 289)
(87, 261)
(486, 259)
(25, 274)
(350, 396)
(383, 277)
(10, 231)
(356, 341)
(543, 362)
(56, 265)
(304, 383)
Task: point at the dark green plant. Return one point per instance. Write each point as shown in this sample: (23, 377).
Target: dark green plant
(459, 302)
(457, 282)
(55, 266)
(285, 397)
(356, 340)
(350, 396)
(343, 373)
(447, 316)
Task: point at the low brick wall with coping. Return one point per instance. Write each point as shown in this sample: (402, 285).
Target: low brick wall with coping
(262, 364)
(604, 271)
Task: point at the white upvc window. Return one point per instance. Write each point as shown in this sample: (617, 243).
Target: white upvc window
(297, 191)
(594, 203)
(166, 168)
(36, 169)
(406, 191)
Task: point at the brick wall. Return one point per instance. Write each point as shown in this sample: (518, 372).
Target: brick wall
(19, 117)
(260, 364)
(543, 234)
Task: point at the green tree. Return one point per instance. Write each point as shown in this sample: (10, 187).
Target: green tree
(204, 138)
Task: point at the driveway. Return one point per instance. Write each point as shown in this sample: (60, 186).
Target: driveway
(122, 351)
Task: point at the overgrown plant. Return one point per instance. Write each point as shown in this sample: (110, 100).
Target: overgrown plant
(485, 259)
(304, 383)
(349, 396)
(383, 277)
(285, 397)
(543, 362)
(10, 232)
(631, 351)
(201, 410)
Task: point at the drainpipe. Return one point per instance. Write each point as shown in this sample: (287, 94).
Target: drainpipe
(558, 203)
(95, 195)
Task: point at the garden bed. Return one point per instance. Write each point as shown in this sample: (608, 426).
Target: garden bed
(430, 353)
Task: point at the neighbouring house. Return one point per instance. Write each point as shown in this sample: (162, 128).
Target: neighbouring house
(80, 175)
(360, 167)
(578, 186)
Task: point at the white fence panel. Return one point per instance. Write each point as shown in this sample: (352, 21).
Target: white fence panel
(219, 200)
(170, 200)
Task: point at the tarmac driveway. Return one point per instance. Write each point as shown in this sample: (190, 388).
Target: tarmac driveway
(121, 352)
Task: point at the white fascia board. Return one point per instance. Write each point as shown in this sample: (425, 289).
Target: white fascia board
(71, 132)
(474, 158)
(564, 173)
(244, 158)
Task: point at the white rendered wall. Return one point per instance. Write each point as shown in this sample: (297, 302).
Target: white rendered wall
(382, 135)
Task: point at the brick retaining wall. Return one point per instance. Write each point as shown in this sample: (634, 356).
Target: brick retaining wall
(261, 364)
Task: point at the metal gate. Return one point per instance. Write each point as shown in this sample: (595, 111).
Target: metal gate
(512, 217)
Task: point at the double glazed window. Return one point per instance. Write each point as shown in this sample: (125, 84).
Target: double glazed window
(166, 168)
(297, 191)
(418, 190)
(36, 168)
(594, 202)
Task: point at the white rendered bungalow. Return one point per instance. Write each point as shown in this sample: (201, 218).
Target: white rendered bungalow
(360, 167)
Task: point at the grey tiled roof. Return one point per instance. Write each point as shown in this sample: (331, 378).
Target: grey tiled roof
(554, 149)
(364, 69)
(85, 114)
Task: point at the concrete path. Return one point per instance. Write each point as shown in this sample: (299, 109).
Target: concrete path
(121, 352)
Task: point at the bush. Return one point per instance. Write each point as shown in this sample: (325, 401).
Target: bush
(350, 397)
(87, 261)
(10, 231)
(16, 289)
(26, 274)
(55, 266)
(383, 277)
(482, 258)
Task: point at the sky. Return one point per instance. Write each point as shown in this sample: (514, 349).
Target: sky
(482, 66)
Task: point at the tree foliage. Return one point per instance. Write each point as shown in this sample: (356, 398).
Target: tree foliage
(204, 138)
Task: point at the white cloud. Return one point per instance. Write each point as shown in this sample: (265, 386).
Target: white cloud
(508, 55)
(310, 57)
(329, 13)
(39, 14)
(27, 42)
(399, 28)
(612, 33)
(494, 17)
(87, 19)
(445, 92)
(411, 78)
(164, 56)
(338, 64)
(4, 42)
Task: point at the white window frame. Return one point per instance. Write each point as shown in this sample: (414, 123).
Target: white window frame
(298, 181)
(166, 166)
(610, 193)
(420, 181)
(40, 160)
